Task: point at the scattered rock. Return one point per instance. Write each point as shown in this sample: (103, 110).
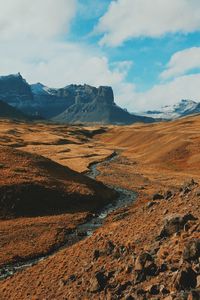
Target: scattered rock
(187, 187)
(192, 250)
(109, 247)
(129, 269)
(96, 254)
(121, 216)
(141, 292)
(150, 204)
(153, 289)
(164, 290)
(157, 196)
(163, 268)
(123, 287)
(186, 279)
(175, 224)
(98, 283)
(144, 266)
(142, 261)
(168, 195)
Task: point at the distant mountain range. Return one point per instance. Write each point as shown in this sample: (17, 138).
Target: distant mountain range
(76, 104)
(71, 104)
(181, 109)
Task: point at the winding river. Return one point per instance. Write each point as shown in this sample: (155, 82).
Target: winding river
(82, 231)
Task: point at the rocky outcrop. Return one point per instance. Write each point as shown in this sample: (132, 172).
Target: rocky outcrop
(96, 105)
(175, 224)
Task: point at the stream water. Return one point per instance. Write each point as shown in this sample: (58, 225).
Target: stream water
(82, 231)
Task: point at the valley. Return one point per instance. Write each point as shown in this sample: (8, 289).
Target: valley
(142, 250)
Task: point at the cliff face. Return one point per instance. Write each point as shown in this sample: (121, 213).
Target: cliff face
(71, 104)
(96, 105)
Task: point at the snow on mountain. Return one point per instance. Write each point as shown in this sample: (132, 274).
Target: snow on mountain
(183, 108)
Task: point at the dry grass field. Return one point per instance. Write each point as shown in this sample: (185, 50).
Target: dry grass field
(148, 250)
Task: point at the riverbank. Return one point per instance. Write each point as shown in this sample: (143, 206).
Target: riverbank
(83, 230)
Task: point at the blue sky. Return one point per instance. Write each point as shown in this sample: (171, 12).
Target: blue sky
(149, 53)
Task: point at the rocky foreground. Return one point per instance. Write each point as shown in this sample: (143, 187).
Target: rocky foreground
(148, 250)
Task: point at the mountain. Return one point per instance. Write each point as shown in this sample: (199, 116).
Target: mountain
(181, 109)
(51, 102)
(9, 112)
(96, 105)
(70, 104)
(15, 91)
(34, 100)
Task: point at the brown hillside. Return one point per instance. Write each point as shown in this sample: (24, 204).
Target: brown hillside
(148, 250)
(34, 185)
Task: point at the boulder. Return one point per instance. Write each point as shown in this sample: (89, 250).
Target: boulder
(157, 196)
(144, 266)
(192, 250)
(98, 283)
(175, 224)
(186, 279)
(188, 186)
(168, 195)
(154, 289)
(96, 254)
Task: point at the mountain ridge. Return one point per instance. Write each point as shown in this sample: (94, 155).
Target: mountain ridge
(183, 108)
(9, 112)
(70, 104)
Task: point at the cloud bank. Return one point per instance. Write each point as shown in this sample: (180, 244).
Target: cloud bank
(126, 19)
(182, 62)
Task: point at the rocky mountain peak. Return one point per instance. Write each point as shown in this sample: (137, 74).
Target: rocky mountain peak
(105, 94)
(70, 104)
(183, 108)
(15, 90)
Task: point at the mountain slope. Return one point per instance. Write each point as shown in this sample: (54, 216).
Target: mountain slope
(15, 91)
(9, 112)
(97, 106)
(49, 187)
(181, 109)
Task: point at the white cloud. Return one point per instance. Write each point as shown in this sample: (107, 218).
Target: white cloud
(122, 66)
(57, 64)
(29, 32)
(182, 87)
(182, 62)
(127, 19)
(35, 19)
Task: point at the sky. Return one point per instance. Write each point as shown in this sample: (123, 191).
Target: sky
(148, 51)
